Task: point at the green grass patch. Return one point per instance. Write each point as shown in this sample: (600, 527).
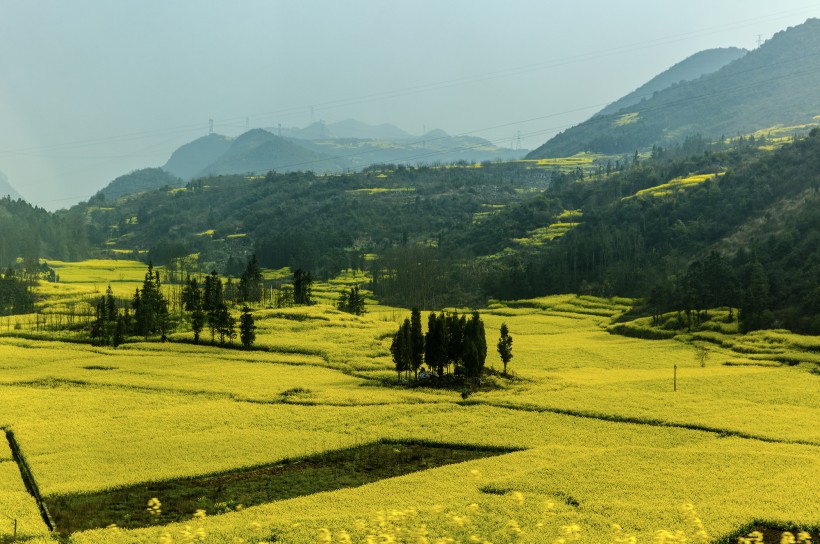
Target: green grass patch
(235, 490)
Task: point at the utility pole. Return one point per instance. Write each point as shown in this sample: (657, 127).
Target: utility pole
(759, 40)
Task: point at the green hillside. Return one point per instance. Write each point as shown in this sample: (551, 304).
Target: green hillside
(772, 85)
(146, 179)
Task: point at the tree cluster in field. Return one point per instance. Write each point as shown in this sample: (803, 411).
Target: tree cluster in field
(452, 340)
(207, 306)
(203, 304)
(149, 314)
(351, 301)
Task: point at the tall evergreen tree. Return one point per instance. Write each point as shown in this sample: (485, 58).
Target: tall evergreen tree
(302, 283)
(150, 307)
(455, 340)
(474, 351)
(435, 343)
(400, 349)
(192, 299)
(250, 283)
(505, 346)
(213, 302)
(416, 341)
(247, 328)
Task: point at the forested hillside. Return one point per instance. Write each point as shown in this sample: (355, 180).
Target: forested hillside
(145, 179)
(772, 85)
(30, 233)
(300, 219)
(756, 210)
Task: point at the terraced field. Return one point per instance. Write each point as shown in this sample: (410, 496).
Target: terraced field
(595, 433)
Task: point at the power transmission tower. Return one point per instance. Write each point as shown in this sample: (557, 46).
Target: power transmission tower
(210, 126)
(759, 40)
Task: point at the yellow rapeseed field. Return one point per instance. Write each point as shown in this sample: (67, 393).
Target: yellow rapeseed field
(603, 438)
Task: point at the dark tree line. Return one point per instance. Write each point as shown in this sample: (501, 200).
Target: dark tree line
(716, 282)
(16, 296)
(451, 340)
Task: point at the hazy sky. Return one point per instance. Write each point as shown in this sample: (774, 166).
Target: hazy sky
(92, 89)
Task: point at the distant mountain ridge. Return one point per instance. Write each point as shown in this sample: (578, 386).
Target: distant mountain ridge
(259, 151)
(773, 85)
(346, 145)
(349, 128)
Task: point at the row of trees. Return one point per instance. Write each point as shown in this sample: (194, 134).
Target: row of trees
(451, 340)
(149, 314)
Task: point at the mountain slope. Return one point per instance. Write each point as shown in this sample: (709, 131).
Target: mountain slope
(693, 67)
(193, 157)
(774, 84)
(146, 179)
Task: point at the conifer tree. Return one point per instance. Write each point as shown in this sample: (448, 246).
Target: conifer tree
(302, 282)
(247, 328)
(435, 343)
(505, 346)
(416, 341)
(400, 349)
(250, 283)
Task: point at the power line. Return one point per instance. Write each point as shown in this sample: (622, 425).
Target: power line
(395, 93)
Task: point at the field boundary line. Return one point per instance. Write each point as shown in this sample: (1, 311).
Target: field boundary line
(640, 421)
(28, 478)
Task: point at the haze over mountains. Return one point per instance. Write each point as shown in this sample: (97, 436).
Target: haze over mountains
(347, 145)
(693, 67)
(6, 189)
(775, 84)
(323, 148)
(713, 93)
